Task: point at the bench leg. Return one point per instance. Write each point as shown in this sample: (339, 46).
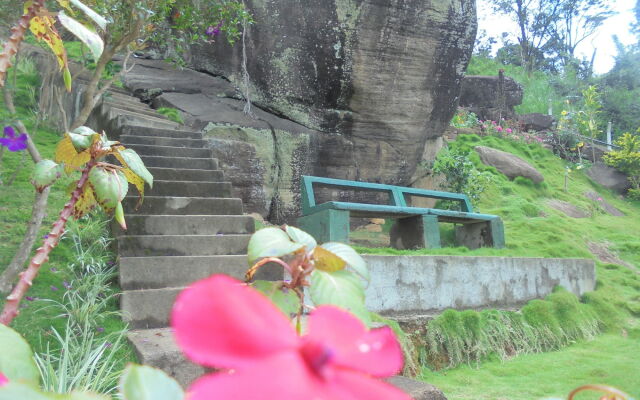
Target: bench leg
(421, 231)
(482, 234)
(327, 225)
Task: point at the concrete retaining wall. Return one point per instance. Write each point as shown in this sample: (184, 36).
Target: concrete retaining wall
(423, 284)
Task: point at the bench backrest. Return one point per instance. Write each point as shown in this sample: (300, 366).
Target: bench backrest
(396, 193)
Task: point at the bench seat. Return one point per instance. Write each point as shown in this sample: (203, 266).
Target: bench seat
(415, 227)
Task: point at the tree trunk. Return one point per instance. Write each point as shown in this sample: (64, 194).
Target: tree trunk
(16, 266)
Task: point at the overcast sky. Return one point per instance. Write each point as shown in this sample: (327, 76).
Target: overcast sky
(616, 25)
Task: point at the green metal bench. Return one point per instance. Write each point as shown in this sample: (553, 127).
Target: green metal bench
(415, 227)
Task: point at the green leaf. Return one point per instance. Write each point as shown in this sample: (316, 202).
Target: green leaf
(285, 299)
(352, 258)
(324, 260)
(97, 18)
(82, 138)
(67, 79)
(119, 216)
(109, 187)
(300, 236)
(16, 358)
(91, 39)
(19, 391)
(46, 173)
(135, 164)
(139, 382)
(340, 288)
(271, 242)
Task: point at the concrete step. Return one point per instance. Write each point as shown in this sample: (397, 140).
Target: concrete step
(135, 130)
(187, 189)
(158, 349)
(158, 205)
(163, 141)
(168, 151)
(122, 119)
(189, 224)
(207, 163)
(176, 174)
(148, 308)
(181, 245)
(139, 108)
(154, 272)
(113, 112)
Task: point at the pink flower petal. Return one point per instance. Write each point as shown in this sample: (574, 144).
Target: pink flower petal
(376, 352)
(219, 322)
(3, 380)
(351, 385)
(284, 376)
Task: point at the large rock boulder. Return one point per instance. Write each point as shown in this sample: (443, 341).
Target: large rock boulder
(510, 165)
(491, 97)
(376, 78)
(609, 177)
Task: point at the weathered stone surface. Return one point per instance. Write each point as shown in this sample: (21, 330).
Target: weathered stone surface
(482, 95)
(417, 390)
(608, 208)
(509, 164)
(370, 81)
(536, 122)
(609, 177)
(567, 208)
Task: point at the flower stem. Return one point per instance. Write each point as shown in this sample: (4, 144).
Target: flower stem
(10, 310)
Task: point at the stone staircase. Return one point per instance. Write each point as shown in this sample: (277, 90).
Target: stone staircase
(187, 228)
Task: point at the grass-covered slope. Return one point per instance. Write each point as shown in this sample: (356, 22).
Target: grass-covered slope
(553, 345)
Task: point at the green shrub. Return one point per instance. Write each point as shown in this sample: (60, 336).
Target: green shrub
(461, 174)
(627, 160)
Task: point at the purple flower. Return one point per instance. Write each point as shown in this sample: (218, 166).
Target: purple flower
(54, 288)
(214, 30)
(29, 298)
(53, 269)
(66, 285)
(99, 329)
(107, 345)
(11, 142)
(45, 237)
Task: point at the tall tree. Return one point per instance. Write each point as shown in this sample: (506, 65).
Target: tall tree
(579, 20)
(535, 20)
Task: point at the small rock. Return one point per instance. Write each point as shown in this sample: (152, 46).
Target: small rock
(373, 228)
(609, 177)
(536, 122)
(377, 221)
(417, 390)
(510, 165)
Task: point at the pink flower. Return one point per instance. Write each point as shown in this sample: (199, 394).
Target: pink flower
(219, 322)
(509, 130)
(3, 380)
(499, 128)
(599, 198)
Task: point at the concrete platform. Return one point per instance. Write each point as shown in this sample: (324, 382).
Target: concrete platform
(419, 285)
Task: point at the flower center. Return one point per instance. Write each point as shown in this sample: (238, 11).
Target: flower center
(317, 355)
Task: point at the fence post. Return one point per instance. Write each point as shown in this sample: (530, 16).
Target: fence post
(550, 109)
(609, 136)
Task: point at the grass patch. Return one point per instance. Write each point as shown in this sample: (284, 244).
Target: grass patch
(532, 227)
(39, 318)
(610, 359)
(173, 114)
